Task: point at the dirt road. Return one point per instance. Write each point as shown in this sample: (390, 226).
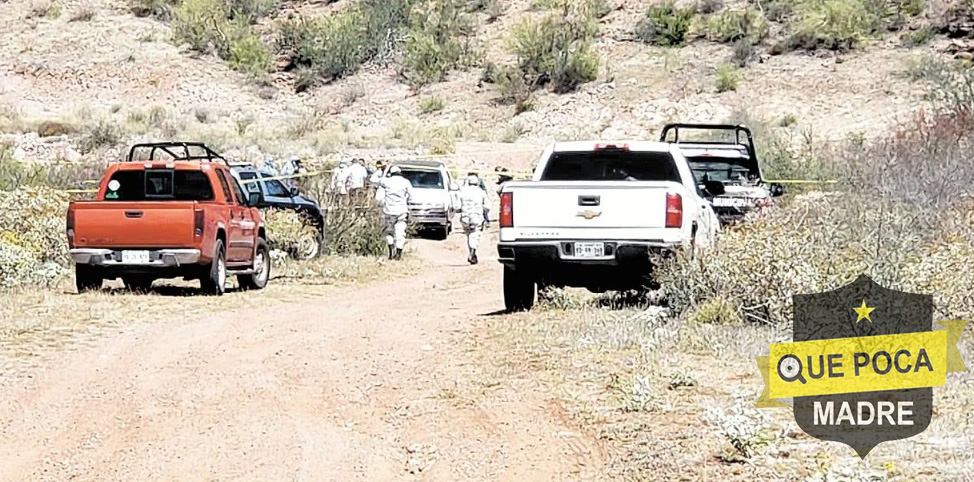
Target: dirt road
(355, 385)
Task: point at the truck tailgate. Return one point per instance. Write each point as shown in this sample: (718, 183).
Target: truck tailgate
(617, 205)
(107, 224)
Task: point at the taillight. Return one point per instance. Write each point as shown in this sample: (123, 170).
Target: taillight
(507, 210)
(198, 222)
(674, 210)
(70, 226)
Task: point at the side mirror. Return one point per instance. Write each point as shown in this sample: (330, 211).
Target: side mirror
(715, 188)
(776, 189)
(293, 191)
(253, 199)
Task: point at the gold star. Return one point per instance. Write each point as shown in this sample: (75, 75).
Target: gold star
(863, 312)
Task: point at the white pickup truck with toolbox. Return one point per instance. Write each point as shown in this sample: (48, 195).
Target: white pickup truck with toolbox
(600, 215)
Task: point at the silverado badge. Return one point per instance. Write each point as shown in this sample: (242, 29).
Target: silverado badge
(589, 214)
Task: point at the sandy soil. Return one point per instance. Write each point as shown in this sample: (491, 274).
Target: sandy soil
(350, 386)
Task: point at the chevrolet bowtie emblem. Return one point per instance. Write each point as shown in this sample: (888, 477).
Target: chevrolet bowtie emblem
(589, 214)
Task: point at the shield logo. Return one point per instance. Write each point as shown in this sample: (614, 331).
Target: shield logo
(589, 214)
(862, 308)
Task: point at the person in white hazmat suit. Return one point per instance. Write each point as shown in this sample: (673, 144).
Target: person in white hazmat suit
(355, 177)
(474, 207)
(393, 195)
(339, 178)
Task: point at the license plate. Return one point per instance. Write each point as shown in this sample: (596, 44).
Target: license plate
(731, 202)
(589, 250)
(135, 256)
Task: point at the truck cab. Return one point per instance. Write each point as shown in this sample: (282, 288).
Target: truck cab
(170, 210)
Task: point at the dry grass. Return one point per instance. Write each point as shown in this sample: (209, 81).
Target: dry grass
(669, 400)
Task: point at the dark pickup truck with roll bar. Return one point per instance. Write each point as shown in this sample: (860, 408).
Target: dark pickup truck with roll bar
(732, 162)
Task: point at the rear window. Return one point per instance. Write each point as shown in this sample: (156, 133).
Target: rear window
(159, 184)
(424, 179)
(706, 169)
(611, 166)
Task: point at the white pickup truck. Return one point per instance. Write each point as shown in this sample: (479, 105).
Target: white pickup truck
(599, 215)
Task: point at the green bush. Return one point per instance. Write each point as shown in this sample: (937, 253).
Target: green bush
(250, 56)
(437, 41)
(329, 47)
(223, 29)
(431, 104)
(665, 25)
(556, 51)
(728, 77)
(98, 135)
(250, 10)
(842, 24)
(33, 250)
(287, 231)
(734, 25)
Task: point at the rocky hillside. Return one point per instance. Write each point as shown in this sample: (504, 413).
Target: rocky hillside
(81, 78)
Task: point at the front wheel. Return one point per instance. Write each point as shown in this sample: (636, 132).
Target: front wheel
(87, 278)
(262, 269)
(214, 279)
(519, 290)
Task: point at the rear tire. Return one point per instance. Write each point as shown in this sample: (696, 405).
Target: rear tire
(87, 278)
(262, 269)
(138, 284)
(441, 233)
(214, 280)
(519, 290)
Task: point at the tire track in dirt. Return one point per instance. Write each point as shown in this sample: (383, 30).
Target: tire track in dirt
(348, 386)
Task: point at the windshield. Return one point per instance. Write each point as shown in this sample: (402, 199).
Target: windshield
(705, 169)
(159, 184)
(424, 179)
(611, 166)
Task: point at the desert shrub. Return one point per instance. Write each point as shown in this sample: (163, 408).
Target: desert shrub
(901, 215)
(727, 77)
(734, 25)
(743, 52)
(98, 135)
(438, 40)
(431, 104)
(55, 128)
(215, 27)
(918, 37)
(66, 175)
(250, 10)
(665, 25)
(161, 9)
(83, 13)
(844, 24)
(717, 310)
(330, 47)
(33, 250)
(950, 86)
(513, 87)
(44, 8)
(353, 226)
(557, 51)
(287, 231)
(250, 56)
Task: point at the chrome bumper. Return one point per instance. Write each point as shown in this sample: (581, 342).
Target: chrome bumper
(157, 257)
(418, 216)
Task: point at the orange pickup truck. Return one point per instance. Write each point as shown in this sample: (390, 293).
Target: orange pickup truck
(171, 210)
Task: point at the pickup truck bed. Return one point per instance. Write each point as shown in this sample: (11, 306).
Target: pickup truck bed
(598, 216)
(182, 216)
